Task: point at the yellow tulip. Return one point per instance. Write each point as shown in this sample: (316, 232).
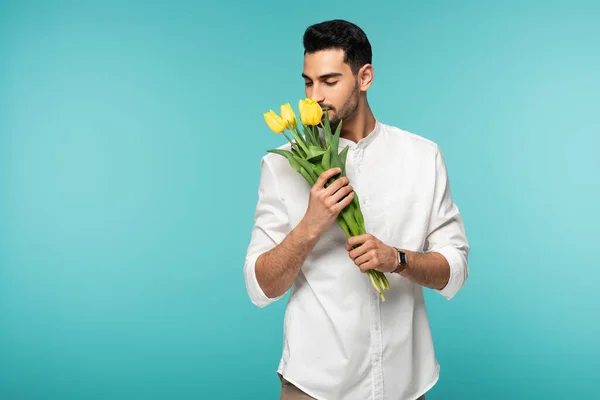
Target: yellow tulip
(275, 122)
(287, 114)
(310, 112)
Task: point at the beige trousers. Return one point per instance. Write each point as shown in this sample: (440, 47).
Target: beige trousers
(291, 392)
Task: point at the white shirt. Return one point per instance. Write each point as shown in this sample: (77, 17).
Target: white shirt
(340, 341)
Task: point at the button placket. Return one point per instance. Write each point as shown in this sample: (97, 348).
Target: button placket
(358, 156)
(376, 348)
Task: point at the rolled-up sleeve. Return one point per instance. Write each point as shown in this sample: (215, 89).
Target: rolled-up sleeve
(446, 234)
(271, 226)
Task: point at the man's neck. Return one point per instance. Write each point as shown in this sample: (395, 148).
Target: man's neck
(360, 126)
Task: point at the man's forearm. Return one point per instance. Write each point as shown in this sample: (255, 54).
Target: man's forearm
(431, 270)
(277, 268)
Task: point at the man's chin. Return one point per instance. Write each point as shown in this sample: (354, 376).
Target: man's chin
(332, 122)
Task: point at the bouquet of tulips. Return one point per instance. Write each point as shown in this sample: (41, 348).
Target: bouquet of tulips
(310, 157)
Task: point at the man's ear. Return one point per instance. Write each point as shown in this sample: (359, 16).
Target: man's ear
(365, 77)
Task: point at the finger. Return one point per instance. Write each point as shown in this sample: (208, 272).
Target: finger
(324, 177)
(336, 185)
(348, 247)
(338, 207)
(358, 239)
(366, 257)
(361, 260)
(359, 251)
(367, 266)
(337, 196)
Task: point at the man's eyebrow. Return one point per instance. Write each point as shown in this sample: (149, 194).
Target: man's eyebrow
(324, 76)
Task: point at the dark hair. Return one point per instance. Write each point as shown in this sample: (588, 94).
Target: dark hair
(339, 34)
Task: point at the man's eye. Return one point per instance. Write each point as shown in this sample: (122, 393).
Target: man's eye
(307, 84)
(331, 83)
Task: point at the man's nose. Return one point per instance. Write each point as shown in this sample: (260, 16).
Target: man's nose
(316, 95)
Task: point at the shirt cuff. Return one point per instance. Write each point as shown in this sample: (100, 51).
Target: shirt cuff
(459, 270)
(257, 296)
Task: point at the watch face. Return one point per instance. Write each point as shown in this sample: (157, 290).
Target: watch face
(402, 257)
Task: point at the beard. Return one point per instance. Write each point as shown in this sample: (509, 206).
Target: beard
(348, 109)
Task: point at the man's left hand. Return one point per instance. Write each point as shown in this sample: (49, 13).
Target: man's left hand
(372, 253)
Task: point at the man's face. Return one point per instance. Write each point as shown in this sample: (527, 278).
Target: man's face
(330, 82)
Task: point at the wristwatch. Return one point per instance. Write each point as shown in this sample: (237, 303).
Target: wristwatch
(401, 260)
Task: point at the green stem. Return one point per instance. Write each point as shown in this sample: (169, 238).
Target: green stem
(307, 176)
(288, 138)
(344, 226)
(348, 216)
(299, 140)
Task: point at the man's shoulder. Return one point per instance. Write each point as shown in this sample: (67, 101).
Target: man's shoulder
(276, 161)
(412, 139)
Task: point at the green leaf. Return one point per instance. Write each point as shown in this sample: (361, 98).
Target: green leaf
(358, 214)
(310, 140)
(348, 215)
(307, 166)
(343, 155)
(338, 130)
(386, 283)
(325, 160)
(344, 226)
(296, 149)
(290, 157)
(335, 143)
(314, 153)
(327, 131)
(307, 176)
(300, 140)
(318, 140)
(293, 160)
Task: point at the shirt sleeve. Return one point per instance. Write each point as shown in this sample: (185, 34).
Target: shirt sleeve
(271, 226)
(446, 233)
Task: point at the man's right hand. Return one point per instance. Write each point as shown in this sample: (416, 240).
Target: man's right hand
(325, 203)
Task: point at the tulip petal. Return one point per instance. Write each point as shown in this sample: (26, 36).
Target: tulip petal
(274, 122)
(287, 114)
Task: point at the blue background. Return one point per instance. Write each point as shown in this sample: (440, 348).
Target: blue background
(130, 141)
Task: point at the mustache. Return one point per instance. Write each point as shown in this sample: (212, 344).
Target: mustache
(327, 107)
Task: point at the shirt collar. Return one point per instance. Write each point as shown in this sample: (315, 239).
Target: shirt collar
(362, 143)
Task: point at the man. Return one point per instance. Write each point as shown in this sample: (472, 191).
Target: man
(340, 340)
